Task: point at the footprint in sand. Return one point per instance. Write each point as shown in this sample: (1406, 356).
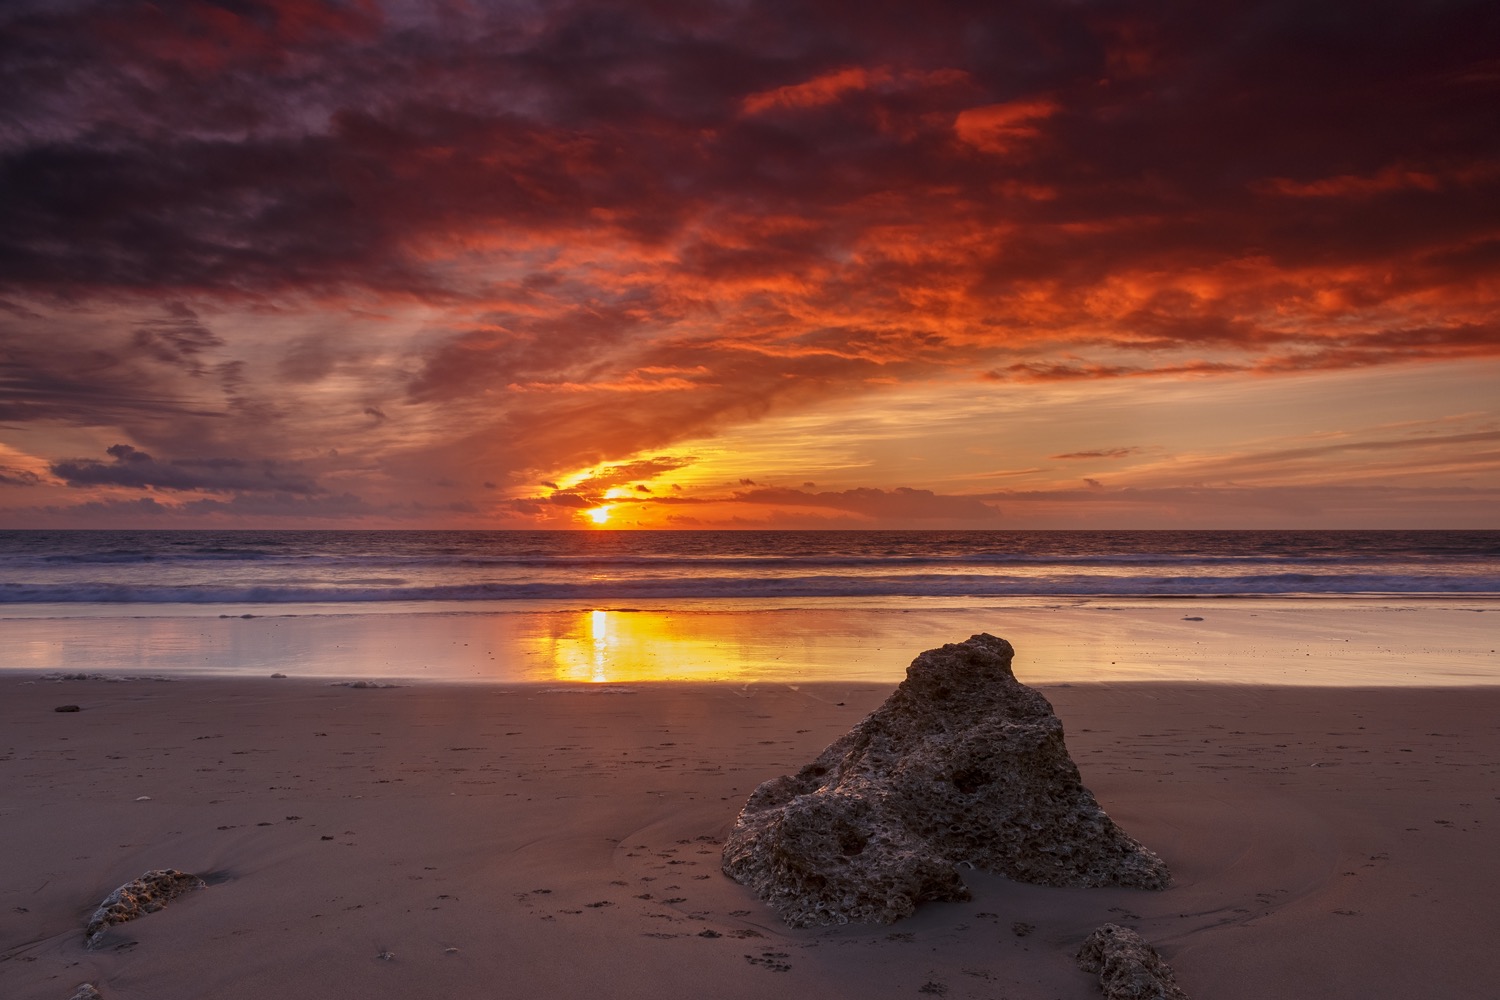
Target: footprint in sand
(770, 960)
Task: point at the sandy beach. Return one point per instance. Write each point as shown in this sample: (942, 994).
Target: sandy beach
(456, 840)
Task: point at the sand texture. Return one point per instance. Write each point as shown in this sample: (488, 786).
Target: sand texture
(442, 841)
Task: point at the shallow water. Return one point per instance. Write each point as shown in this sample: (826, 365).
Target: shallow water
(1336, 641)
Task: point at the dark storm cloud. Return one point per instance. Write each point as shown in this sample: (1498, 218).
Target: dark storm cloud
(164, 379)
(268, 508)
(136, 469)
(83, 385)
(320, 144)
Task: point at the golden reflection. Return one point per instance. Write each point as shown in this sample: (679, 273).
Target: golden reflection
(601, 647)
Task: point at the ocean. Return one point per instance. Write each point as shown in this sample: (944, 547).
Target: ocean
(298, 567)
(1324, 607)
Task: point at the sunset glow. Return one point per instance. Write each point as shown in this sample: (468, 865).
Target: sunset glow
(317, 264)
(611, 647)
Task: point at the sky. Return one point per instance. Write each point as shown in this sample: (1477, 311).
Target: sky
(1061, 264)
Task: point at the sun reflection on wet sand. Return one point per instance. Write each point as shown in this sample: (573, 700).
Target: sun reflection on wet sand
(601, 647)
(1276, 642)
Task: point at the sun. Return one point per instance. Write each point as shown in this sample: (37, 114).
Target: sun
(599, 515)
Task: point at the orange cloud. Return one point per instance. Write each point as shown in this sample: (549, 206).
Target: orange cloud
(1386, 181)
(634, 382)
(832, 87)
(1001, 128)
(821, 90)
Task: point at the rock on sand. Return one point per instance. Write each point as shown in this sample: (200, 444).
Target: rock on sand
(140, 896)
(962, 765)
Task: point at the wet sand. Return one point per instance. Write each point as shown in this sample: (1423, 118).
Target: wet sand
(442, 840)
(1376, 641)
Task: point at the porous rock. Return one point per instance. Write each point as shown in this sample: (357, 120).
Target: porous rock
(1128, 967)
(140, 896)
(962, 765)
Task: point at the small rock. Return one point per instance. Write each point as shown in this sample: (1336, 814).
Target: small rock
(143, 798)
(86, 991)
(1128, 967)
(136, 898)
(68, 708)
(1192, 618)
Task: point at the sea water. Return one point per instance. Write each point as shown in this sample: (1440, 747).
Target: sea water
(299, 567)
(746, 605)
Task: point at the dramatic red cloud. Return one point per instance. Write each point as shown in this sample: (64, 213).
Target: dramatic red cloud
(427, 256)
(821, 90)
(1001, 128)
(1391, 179)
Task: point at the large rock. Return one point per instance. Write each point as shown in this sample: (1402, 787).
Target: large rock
(140, 896)
(962, 765)
(1128, 967)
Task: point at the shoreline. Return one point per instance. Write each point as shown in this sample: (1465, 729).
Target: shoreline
(24, 610)
(1282, 641)
(564, 842)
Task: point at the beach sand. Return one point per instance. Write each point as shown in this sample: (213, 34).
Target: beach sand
(444, 840)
